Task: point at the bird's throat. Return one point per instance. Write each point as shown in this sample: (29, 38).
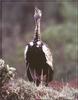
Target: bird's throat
(37, 35)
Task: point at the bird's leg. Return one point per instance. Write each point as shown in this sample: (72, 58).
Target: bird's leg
(42, 77)
(25, 75)
(35, 77)
(29, 74)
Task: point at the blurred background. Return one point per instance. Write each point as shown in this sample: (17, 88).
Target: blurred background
(58, 30)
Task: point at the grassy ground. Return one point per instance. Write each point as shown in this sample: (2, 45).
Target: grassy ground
(19, 89)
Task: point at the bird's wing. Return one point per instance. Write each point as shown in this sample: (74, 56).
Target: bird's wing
(25, 55)
(48, 55)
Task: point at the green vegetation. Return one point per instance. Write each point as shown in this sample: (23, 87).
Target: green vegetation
(59, 21)
(63, 40)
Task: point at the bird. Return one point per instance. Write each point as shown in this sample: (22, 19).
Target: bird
(38, 57)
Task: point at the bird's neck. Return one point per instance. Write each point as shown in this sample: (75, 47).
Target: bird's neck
(37, 35)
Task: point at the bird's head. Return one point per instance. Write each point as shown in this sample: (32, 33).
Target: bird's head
(37, 14)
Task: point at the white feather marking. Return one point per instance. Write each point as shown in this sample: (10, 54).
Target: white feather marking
(31, 43)
(37, 46)
(38, 43)
(26, 49)
(48, 56)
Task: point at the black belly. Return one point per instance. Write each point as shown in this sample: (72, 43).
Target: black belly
(37, 61)
(36, 57)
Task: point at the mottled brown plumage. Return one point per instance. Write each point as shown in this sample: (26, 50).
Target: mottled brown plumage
(39, 62)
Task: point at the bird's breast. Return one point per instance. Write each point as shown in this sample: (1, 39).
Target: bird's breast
(35, 55)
